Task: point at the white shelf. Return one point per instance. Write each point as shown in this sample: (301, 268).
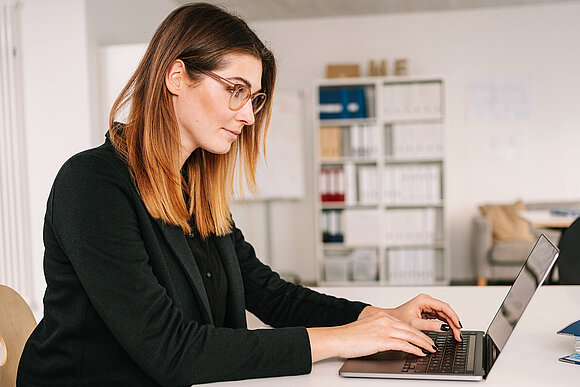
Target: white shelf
(376, 283)
(381, 158)
(329, 246)
(345, 160)
(342, 206)
(347, 121)
(397, 160)
(414, 205)
(434, 245)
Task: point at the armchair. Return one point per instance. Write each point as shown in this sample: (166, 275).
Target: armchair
(502, 260)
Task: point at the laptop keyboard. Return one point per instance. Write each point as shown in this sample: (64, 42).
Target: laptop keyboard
(451, 358)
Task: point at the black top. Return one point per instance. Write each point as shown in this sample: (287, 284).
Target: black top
(126, 305)
(213, 274)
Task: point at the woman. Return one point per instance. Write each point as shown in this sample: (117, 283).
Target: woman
(148, 278)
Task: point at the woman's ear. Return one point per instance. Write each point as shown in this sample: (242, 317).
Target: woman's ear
(175, 77)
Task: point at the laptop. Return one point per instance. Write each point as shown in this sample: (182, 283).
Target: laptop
(473, 358)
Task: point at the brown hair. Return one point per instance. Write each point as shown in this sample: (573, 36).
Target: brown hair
(201, 35)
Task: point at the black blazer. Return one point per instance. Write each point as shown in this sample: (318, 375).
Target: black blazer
(125, 303)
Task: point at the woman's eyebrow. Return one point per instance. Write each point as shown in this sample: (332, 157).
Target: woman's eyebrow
(243, 80)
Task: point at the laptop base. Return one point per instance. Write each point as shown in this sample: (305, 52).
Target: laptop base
(391, 365)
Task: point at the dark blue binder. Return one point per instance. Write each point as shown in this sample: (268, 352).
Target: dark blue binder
(331, 103)
(342, 102)
(356, 106)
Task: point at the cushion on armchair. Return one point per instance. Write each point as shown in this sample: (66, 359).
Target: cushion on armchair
(506, 223)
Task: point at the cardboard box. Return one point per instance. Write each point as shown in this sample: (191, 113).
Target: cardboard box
(330, 142)
(342, 70)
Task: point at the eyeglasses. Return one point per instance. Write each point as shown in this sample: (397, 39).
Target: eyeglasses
(240, 94)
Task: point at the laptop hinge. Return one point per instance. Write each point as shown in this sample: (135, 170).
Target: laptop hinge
(491, 352)
(485, 354)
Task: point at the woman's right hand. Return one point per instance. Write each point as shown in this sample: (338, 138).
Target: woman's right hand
(374, 333)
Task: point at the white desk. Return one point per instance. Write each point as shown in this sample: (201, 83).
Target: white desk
(544, 218)
(530, 357)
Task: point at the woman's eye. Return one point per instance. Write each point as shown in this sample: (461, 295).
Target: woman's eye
(240, 92)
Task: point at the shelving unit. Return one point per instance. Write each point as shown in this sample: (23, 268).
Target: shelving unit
(379, 157)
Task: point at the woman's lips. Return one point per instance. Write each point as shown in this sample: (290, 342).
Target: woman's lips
(232, 134)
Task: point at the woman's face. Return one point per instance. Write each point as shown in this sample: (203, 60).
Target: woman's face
(202, 108)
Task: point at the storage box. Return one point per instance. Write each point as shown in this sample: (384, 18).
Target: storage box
(330, 142)
(336, 268)
(364, 265)
(342, 70)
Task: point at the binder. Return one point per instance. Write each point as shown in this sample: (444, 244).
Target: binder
(388, 101)
(350, 197)
(330, 103)
(356, 106)
(355, 141)
(432, 100)
(342, 102)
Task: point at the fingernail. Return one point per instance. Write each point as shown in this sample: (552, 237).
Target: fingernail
(435, 347)
(460, 324)
(444, 327)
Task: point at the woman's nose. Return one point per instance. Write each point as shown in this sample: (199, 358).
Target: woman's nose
(246, 113)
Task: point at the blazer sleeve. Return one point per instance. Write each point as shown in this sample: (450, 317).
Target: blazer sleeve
(92, 212)
(282, 304)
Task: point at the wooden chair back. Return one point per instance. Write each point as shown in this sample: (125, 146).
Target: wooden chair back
(16, 323)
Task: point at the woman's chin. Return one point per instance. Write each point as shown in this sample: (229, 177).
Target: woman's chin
(220, 150)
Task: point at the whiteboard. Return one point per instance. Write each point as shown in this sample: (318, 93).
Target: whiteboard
(280, 176)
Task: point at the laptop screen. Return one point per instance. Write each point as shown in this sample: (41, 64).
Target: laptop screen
(531, 276)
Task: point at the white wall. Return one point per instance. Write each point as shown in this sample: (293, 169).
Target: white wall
(60, 39)
(126, 21)
(56, 103)
(112, 22)
(539, 43)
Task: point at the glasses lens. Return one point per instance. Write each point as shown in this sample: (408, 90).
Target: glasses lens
(258, 102)
(240, 96)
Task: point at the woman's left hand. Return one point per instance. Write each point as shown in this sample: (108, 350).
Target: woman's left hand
(422, 312)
